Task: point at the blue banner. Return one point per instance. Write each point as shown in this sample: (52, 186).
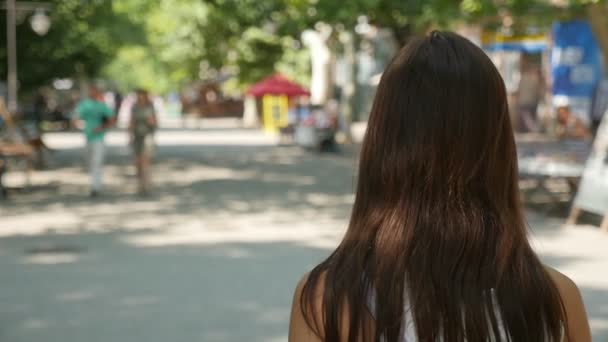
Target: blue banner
(575, 60)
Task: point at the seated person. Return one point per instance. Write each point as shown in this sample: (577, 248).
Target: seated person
(11, 140)
(288, 131)
(569, 126)
(326, 126)
(11, 144)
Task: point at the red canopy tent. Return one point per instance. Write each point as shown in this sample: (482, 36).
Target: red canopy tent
(277, 85)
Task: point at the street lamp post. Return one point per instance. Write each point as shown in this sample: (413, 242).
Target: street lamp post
(11, 42)
(40, 24)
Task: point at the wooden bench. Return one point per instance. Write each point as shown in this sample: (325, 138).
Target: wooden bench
(15, 151)
(542, 159)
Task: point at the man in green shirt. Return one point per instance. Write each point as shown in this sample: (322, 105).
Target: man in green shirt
(97, 117)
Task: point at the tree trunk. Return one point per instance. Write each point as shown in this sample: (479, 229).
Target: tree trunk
(597, 14)
(348, 107)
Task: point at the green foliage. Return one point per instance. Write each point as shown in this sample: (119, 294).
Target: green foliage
(251, 38)
(295, 62)
(83, 37)
(164, 44)
(258, 51)
(191, 39)
(174, 34)
(137, 67)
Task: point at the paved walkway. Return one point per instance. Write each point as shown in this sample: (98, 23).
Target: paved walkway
(212, 255)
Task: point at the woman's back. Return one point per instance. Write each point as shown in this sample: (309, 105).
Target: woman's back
(573, 303)
(437, 223)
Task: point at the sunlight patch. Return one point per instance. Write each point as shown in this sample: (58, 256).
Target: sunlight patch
(39, 223)
(50, 258)
(35, 324)
(267, 227)
(75, 296)
(52, 254)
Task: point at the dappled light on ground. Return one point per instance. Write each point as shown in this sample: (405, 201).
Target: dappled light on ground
(213, 254)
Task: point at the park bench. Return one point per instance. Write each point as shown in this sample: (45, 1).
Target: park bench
(17, 152)
(16, 148)
(544, 160)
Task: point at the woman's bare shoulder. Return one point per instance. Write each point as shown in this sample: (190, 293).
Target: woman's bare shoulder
(564, 284)
(299, 329)
(573, 303)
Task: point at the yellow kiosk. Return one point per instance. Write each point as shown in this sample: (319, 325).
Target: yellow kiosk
(275, 92)
(275, 112)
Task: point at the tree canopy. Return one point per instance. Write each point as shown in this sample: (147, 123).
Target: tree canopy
(166, 43)
(81, 41)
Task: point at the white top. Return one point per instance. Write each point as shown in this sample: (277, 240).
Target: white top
(409, 333)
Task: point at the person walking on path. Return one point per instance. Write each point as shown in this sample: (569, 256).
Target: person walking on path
(529, 93)
(142, 126)
(437, 246)
(98, 118)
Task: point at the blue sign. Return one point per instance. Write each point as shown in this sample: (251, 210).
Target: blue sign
(575, 60)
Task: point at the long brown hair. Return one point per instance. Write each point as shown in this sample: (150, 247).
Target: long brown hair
(437, 221)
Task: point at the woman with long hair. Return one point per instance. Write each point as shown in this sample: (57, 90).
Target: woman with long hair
(437, 247)
(142, 126)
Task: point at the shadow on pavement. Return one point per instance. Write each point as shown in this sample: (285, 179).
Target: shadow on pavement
(111, 291)
(212, 255)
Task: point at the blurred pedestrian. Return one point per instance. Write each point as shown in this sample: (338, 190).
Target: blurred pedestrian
(600, 104)
(569, 126)
(118, 98)
(142, 126)
(12, 144)
(40, 109)
(529, 93)
(98, 118)
(437, 246)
